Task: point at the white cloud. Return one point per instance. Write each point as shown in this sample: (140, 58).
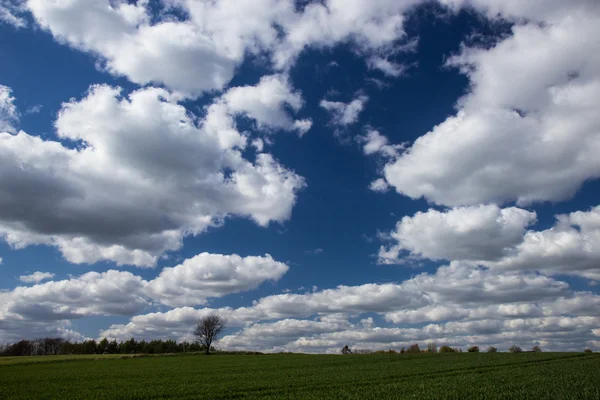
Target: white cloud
(145, 174)
(212, 275)
(36, 277)
(386, 66)
(571, 247)
(93, 293)
(484, 232)
(122, 293)
(465, 302)
(379, 185)
(528, 130)
(372, 27)
(129, 45)
(204, 49)
(376, 143)
(265, 103)
(344, 114)
(8, 111)
(11, 12)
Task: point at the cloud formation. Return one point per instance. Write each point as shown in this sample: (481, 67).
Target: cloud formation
(140, 173)
(485, 232)
(35, 277)
(344, 114)
(205, 46)
(114, 292)
(508, 144)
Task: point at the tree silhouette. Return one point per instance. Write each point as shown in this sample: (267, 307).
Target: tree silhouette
(207, 330)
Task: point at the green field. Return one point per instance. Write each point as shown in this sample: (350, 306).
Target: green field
(377, 376)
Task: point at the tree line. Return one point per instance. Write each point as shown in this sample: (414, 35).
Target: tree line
(207, 330)
(56, 346)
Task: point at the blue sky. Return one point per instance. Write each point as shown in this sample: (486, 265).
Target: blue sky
(374, 175)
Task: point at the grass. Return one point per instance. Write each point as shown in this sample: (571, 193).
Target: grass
(377, 376)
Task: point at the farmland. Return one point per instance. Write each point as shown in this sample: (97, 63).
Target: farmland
(430, 376)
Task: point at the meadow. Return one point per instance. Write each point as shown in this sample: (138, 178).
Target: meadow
(281, 376)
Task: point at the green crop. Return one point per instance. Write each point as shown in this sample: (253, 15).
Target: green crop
(375, 376)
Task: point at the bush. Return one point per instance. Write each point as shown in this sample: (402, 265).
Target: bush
(446, 349)
(473, 349)
(492, 349)
(587, 351)
(536, 349)
(515, 349)
(414, 348)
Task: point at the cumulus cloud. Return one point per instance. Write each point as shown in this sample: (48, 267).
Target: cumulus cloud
(107, 293)
(8, 111)
(379, 185)
(376, 143)
(570, 247)
(122, 293)
(498, 238)
(344, 114)
(36, 277)
(460, 304)
(145, 173)
(212, 275)
(528, 129)
(484, 232)
(265, 103)
(372, 27)
(204, 48)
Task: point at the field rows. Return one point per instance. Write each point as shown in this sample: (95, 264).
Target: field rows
(493, 376)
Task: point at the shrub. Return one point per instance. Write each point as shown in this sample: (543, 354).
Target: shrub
(536, 349)
(414, 348)
(515, 349)
(587, 351)
(492, 349)
(446, 349)
(473, 349)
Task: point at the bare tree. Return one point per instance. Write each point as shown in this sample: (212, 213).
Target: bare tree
(207, 330)
(432, 347)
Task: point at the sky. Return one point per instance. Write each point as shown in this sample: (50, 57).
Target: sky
(319, 173)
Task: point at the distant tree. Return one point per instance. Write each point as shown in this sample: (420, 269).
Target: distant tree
(432, 347)
(587, 351)
(536, 349)
(208, 329)
(492, 349)
(473, 349)
(446, 349)
(402, 351)
(515, 349)
(346, 350)
(102, 346)
(414, 348)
